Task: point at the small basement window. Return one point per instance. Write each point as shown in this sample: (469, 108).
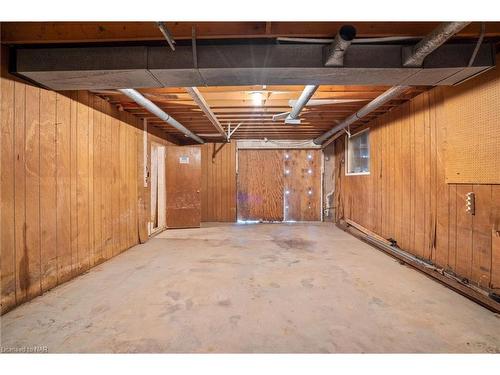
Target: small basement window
(357, 149)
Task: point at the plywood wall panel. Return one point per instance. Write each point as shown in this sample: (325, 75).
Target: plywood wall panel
(260, 187)
(218, 187)
(408, 188)
(302, 182)
(66, 159)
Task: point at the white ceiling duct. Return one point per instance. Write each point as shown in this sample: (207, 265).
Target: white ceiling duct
(318, 102)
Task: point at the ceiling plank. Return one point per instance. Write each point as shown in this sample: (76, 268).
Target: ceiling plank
(87, 32)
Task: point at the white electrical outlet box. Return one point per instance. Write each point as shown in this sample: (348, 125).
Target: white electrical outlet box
(470, 203)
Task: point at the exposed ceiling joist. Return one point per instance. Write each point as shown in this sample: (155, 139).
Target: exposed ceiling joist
(200, 100)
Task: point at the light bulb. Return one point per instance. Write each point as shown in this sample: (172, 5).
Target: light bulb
(257, 98)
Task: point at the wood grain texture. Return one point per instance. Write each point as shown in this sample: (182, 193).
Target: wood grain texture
(63, 189)
(407, 188)
(7, 253)
(48, 198)
(32, 165)
(302, 184)
(58, 205)
(473, 136)
(67, 32)
(260, 185)
(218, 182)
(183, 183)
(495, 238)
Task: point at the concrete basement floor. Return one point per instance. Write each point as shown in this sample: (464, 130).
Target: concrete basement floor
(269, 288)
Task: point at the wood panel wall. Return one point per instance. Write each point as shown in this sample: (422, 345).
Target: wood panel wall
(302, 180)
(218, 182)
(260, 185)
(70, 187)
(406, 198)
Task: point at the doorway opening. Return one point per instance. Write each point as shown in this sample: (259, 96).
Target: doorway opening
(157, 221)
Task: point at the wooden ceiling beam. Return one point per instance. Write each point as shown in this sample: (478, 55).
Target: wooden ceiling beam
(205, 107)
(91, 32)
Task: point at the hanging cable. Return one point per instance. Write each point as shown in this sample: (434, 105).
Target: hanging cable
(478, 44)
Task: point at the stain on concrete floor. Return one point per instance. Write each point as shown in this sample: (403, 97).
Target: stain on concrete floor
(265, 288)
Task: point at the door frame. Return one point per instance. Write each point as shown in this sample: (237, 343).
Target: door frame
(158, 188)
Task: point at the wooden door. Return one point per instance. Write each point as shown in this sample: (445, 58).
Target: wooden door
(260, 185)
(183, 186)
(302, 175)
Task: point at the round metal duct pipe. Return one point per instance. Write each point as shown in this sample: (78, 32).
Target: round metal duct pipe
(148, 105)
(380, 100)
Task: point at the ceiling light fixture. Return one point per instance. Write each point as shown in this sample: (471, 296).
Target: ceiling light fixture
(257, 98)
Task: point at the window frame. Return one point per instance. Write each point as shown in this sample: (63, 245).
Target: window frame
(346, 155)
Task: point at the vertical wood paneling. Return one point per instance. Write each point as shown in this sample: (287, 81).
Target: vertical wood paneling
(482, 227)
(48, 198)
(495, 237)
(7, 233)
(442, 196)
(69, 176)
(73, 188)
(218, 184)
(20, 191)
(82, 180)
(464, 233)
(420, 182)
(32, 249)
(108, 171)
(91, 148)
(63, 208)
(115, 185)
(407, 185)
(98, 174)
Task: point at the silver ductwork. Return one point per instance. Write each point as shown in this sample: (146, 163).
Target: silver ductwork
(307, 94)
(158, 112)
(334, 54)
(414, 56)
(380, 100)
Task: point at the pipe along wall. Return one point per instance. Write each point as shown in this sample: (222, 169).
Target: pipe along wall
(406, 198)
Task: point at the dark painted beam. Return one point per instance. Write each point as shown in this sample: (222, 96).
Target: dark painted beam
(242, 64)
